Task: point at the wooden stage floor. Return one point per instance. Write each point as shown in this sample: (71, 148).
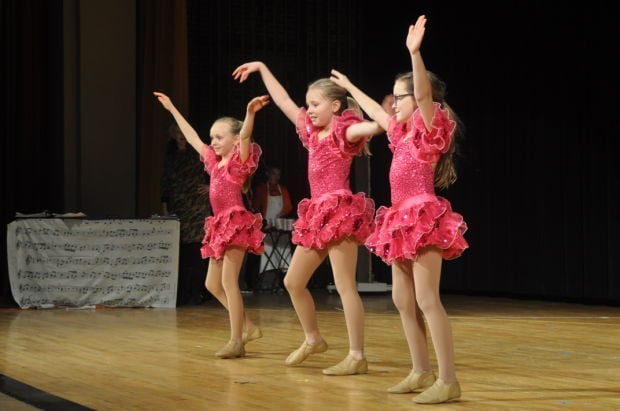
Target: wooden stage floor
(511, 355)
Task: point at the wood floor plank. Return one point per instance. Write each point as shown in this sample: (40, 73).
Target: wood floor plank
(511, 354)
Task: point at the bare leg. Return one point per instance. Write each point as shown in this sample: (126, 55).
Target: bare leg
(427, 274)
(343, 258)
(303, 264)
(403, 295)
(233, 259)
(214, 283)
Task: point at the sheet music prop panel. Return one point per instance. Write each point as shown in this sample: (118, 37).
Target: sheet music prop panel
(55, 262)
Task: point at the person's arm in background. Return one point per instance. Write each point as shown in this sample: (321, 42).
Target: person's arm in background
(259, 202)
(287, 205)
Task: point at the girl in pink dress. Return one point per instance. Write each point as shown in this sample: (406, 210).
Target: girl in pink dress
(230, 160)
(420, 229)
(334, 221)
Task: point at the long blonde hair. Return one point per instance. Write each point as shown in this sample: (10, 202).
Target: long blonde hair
(445, 170)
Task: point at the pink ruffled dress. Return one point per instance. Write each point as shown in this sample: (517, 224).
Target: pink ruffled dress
(332, 212)
(417, 217)
(231, 224)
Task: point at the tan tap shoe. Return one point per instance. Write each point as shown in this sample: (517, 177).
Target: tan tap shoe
(348, 366)
(252, 334)
(232, 349)
(413, 382)
(299, 355)
(439, 392)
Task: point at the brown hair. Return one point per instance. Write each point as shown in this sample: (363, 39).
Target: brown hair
(445, 170)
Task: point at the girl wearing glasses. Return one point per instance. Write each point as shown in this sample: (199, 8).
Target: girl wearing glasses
(420, 229)
(334, 221)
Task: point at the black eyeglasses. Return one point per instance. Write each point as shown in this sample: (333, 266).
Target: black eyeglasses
(399, 97)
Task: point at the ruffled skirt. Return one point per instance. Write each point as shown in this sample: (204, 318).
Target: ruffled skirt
(333, 216)
(235, 226)
(425, 220)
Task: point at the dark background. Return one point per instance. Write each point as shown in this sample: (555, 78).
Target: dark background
(535, 83)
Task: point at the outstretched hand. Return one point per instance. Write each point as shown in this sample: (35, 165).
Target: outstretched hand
(258, 103)
(242, 72)
(340, 79)
(164, 100)
(415, 35)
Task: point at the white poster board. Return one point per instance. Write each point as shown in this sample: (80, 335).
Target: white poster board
(55, 262)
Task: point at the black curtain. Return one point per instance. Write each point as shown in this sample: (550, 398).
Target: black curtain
(31, 115)
(299, 41)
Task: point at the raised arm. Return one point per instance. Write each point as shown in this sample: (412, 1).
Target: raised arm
(422, 90)
(188, 131)
(370, 106)
(275, 89)
(245, 134)
(358, 131)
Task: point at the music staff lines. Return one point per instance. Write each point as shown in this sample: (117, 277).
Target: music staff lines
(117, 233)
(90, 261)
(100, 248)
(83, 289)
(92, 275)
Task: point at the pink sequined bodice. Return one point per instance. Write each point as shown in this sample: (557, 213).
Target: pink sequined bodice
(415, 150)
(329, 159)
(227, 181)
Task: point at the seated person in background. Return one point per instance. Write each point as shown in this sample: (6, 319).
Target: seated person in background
(273, 201)
(271, 198)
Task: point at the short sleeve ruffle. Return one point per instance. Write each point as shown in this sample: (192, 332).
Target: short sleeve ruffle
(240, 171)
(305, 129)
(339, 131)
(431, 144)
(209, 158)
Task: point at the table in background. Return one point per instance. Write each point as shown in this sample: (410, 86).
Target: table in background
(80, 262)
(276, 258)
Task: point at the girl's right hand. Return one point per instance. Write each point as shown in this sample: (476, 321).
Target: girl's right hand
(242, 72)
(164, 100)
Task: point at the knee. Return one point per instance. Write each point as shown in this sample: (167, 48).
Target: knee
(402, 302)
(428, 303)
(292, 286)
(213, 287)
(346, 289)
